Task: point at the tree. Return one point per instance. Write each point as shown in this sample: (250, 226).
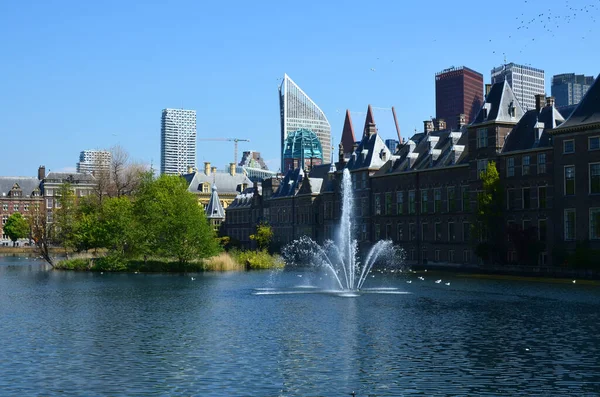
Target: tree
(16, 227)
(41, 233)
(170, 222)
(263, 236)
(64, 217)
(121, 178)
(487, 229)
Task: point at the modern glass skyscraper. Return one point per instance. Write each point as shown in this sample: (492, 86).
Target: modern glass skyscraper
(569, 88)
(298, 111)
(525, 82)
(177, 140)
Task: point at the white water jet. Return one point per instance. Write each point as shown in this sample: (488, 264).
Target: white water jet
(340, 256)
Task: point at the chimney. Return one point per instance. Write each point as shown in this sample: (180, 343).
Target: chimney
(539, 100)
(213, 170)
(488, 88)
(41, 172)
(550, 101)
(462, 120)
(232, 169)
(190, 169)
(439, 124)
(372, 129)
(427, 126)
(206, 168)
(354, 147)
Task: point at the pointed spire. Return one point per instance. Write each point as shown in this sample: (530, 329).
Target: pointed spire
(369, 123)
(214, 209)
(348, 137)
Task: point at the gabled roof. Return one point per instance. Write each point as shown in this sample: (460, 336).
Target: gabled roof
(371, 153)
(526, 134)
(73, 177)
(500, 106)
(214, 209)
(27, 184)
(225, 182)
(588, 110)
(290, 184)
(348, 138)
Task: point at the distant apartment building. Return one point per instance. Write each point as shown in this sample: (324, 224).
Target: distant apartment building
(177, 140)
(298, 111)
(569, 88)
(525, 81)
(458, 90)
(91, 161)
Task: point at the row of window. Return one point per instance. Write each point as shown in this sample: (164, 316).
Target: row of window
(570, 223)
(526, 201)
(457, 199)
(451, 256)
(526, 165)
(16, 207)
(593, 182)
(569, 144)
(439, 230)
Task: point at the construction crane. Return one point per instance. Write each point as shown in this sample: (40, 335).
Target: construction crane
(234, 140)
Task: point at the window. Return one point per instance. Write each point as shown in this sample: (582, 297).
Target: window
(412, 231)
(437, 255)
(48, 203)
(411, 202)
(364, 232)
(399, 202)
(466, 204)
(388, 203)
(568, 146)
(437, 200)
(25, 207)
(542, 230)
(481, 167)
(451, 256)
(206, 188)
(388, 231)
(451, 232)
(424, 255)
(451, 199)
(542, 197)
(511, 199)
(377, 231)
(412, 255)
(594, 143)
(377, 204)
(482, 138)
(400, 231)
(4, 219)
(438, 231)
(424, 231)
(466, 232)
(594, 223)
(364, 180)
(595, 178)
(5, 207)
(525, 165)
(526, 198)
(541, 168)
(569, 224)
(16, 207)
(510, 167)
(467, 256)
(424, 201)
(569, 180)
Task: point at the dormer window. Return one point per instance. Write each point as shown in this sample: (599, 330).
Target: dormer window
(205, 187)
(511, 109)
(482, 138)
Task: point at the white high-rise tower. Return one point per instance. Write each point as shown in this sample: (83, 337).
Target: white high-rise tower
(177, 140)
(298, 111)
(525, 82)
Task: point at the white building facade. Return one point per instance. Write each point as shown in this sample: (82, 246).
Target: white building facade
(177, 140)
(91, 161)
(525, 81)
(298, 111)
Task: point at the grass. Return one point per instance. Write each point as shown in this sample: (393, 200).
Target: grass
(224, 262)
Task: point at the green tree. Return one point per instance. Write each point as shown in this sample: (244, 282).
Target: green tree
(116, 223)
(64, 217)
(41, 233)
(169, 221)
(487, 230)
(263, 236)
(16, 227)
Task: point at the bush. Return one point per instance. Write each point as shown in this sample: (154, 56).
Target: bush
(257, 259)
(73, 264)
(110, 263)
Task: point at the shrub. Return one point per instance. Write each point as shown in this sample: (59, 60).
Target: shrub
(257, 259)
(222, 262)
(73, 264)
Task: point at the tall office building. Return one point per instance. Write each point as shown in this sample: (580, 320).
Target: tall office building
(177, 140)
(297, 112)
(91, 161)
(569, 88)
(458, 90)
(525, 81)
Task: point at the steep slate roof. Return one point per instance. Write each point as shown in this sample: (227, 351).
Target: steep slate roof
(526, 134)
(225, 182)
(348, 138)
(27, 184)
(497, 104)
(214, 209)
(290, 184)
(588, 110)
(244, 199)
(77, 177)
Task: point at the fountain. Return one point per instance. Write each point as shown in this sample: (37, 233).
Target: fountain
(339, 257)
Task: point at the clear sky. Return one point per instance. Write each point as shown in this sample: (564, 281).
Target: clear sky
(81, 75)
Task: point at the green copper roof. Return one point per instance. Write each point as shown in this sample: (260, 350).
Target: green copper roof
(302, 143)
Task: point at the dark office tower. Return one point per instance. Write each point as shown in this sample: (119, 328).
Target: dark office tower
(569, 88)
(458, 90)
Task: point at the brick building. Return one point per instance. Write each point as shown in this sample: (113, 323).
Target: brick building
(458, 90)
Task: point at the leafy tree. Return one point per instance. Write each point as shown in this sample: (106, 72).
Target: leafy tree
(170, 222)
(116, 222)
(263, 236)
(487, 229)
(16, 227)
(64, 217)
(41, 233)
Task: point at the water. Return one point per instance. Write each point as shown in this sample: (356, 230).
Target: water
(83, 334)
(339, 258)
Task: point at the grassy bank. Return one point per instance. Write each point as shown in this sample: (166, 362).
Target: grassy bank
(223, 262)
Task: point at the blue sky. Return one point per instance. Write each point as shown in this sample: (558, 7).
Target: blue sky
(81, 75)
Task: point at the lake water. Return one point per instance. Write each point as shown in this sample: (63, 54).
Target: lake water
(84, 334)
